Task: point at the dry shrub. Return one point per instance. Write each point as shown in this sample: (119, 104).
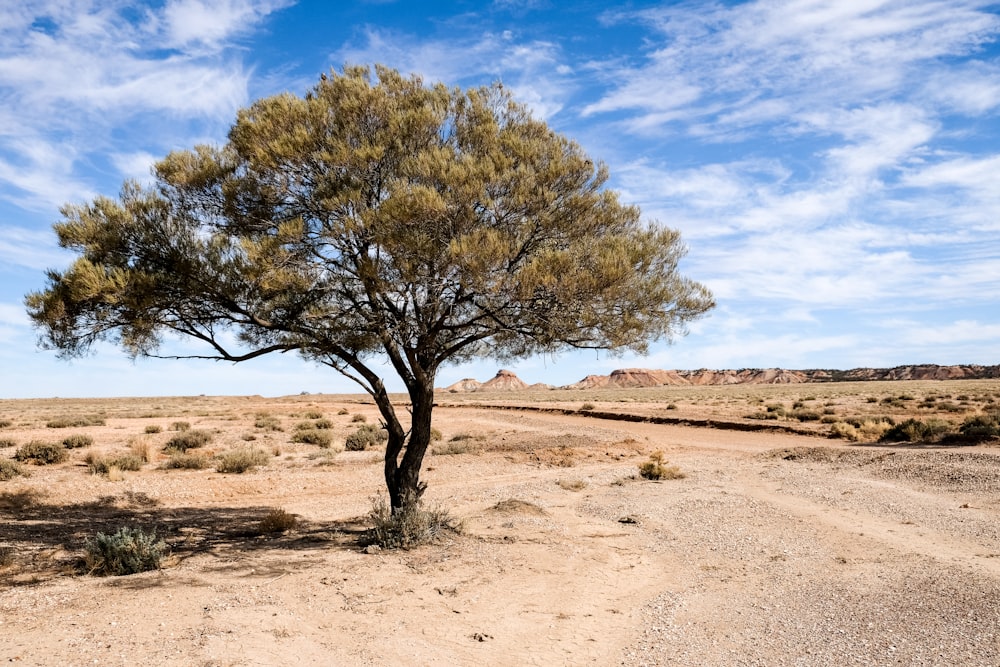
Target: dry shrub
(366, 437)
(77, 440)
(153, 428)
(41, 453)
(276, 521)
(312, 436)
(516, 506)
(4, 423)
(655, 468)
(572, 484)
(237, 461)
(10, 469)
(343, 411)
(186, 462)
(845, 431)
(180, 426)
(112, 466)
(128, 551)
(409, 526)
(313, 414)
(359, 419)
(141, 449)
(75, 422)
(451, 448)
(7, 442)
(186, 440)
(586, 407)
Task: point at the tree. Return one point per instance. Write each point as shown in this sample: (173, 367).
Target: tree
(376, 217)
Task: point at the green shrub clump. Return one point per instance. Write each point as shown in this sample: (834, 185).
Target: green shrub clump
(128, 551)
(365, 437)
(186, 440)
(41, 453)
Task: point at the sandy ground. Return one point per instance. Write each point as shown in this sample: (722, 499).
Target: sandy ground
(775, 549)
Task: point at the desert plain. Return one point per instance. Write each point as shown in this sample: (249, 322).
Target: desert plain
(776, 544)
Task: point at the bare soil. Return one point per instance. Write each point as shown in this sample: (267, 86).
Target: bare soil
(775, 548)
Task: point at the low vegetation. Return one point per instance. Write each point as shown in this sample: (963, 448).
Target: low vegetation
(10, 469)
(276, 521)
(408, 527)
(237, 461)
(656, 468)
(367, 436)
(128, 551)
(40, 452)
(186, 440)
(77, 441)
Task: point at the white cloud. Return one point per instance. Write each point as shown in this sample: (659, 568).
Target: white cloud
(532, 70)
(188, 22)
(31, 249)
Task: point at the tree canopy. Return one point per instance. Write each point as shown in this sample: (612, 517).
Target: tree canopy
(375, 217)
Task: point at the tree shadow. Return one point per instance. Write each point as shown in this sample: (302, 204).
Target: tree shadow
(42, 540)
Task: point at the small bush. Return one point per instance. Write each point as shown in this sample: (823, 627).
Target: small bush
(180, 426)
(313, 414)
(323, 424)
(805, 415)
(153, 428)
(75, 422)
(654, 468)
(914, 430)
(276, 521)
(844, 430)
(435, 435)
(671, 406)
(238, 461)
(4, 423)
(409, 526)
(106, 465)
(572, 484)
(186, 462)
(359, 419)
(314, 436)
(980, 426)
(365, 437)
(586, 407)
(77, 441)
(128, 551)
(267, 422)
(10, 469)
(41, 453)
(452, 448)
(343, 411)
(186, 440)
(7, 442)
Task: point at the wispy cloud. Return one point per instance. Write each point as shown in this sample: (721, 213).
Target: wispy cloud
(73, 71)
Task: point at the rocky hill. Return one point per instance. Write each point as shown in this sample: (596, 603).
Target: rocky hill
(643, 377)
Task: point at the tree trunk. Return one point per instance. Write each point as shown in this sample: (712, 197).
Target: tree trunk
(402, 477)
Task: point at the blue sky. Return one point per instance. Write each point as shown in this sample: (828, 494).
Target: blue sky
(833, 165)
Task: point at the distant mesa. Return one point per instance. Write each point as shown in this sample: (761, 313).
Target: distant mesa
(628, 378)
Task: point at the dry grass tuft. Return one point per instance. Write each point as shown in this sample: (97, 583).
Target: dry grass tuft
(656, 469)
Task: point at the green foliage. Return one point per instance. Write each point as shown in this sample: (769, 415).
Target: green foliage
(241, 460)
(409, 526)
(10, 469)
(128, 551)
(366, 437)
(186, 440)
(41, 453)
(77, 440)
